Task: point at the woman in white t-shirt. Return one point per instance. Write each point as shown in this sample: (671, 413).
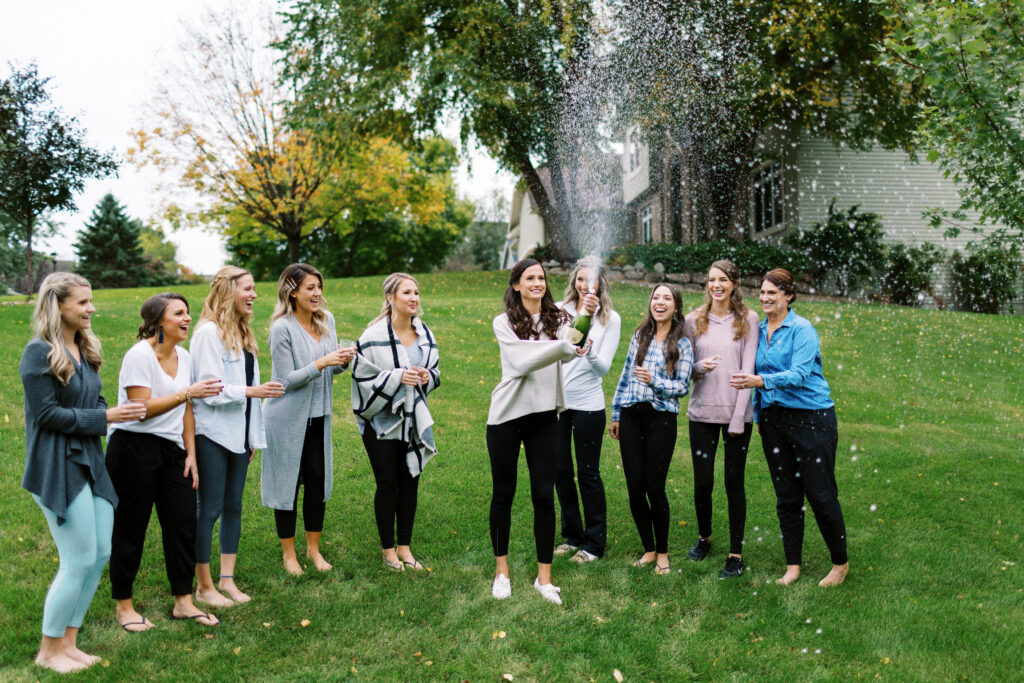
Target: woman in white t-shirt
(583, 420)
(153, 461)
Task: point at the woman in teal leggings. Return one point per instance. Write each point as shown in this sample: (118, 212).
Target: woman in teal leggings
(65, 415)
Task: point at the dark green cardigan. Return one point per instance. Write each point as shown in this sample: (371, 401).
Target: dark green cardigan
(63, 426)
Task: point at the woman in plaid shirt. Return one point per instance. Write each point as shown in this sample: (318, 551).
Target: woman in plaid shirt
(644, 412)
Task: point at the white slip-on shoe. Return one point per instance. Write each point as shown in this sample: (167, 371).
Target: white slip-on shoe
(564, 549)
(502, 587)
(548, 591)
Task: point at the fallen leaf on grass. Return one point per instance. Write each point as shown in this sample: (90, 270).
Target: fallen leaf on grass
(618, 675)
(305, 622)
(238, 650)
(507, 677)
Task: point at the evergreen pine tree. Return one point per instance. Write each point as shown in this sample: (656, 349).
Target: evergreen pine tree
(109, 251)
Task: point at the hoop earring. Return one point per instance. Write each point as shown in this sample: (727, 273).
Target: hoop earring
(160, 339)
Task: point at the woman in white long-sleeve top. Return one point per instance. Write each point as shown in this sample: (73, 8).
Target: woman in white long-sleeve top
(583, 421)
(394, 370)
(65, 416)
(645, 409)
(229, 426)
(524, 410)
(304, 348)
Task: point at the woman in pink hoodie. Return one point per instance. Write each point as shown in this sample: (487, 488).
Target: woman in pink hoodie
(723, 332)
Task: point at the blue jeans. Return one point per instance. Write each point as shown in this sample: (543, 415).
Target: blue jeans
(83, 544)
(221, 481)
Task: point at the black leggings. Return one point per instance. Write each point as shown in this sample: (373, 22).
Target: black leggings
(538, 433)
(147, 471)
(647, 438)
(311, 476)
(586, 428)
(395, 498)
(703, 446)
(800, 446)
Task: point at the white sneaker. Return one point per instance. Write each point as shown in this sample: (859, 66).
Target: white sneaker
(549, 591)
(582, 556)
(502, 587)
(564, 549)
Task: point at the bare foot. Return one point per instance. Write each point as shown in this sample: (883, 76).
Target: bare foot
(791, 575)
(61, 663)
(836, 576)
(79, 656)
(211, 596)
(232, 590)
(318, 561)
(661, 565)
(133, 622)
(645, 559)
(292, 566)
(410, 562)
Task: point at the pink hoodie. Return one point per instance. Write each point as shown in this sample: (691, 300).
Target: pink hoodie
(711, 398)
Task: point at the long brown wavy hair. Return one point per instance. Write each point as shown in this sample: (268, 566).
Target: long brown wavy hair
(736, 305)
(220, 309)
(551, 316)
(648, 327)
(290, 280)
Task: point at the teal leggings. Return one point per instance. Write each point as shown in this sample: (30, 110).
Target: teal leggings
(83, 544)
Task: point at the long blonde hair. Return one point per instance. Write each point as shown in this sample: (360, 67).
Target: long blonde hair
(290, 280)
(573, 297)
(47, 323)
(736, 305)
(390, 286)
(220, 309)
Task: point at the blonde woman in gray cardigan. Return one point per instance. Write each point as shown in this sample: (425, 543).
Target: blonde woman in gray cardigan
(306, 356)
(394, 370)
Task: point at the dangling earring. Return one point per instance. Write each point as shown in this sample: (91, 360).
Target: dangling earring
(160, 339)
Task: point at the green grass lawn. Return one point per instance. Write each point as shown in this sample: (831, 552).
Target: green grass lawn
(929, 469)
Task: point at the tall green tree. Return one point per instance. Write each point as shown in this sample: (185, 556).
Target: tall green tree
(44, 159)
(967, 58)
(109, 251)
(706, 78)
(504, 67)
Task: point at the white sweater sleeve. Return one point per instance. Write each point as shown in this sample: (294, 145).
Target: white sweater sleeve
(520, 357)
(600, 359)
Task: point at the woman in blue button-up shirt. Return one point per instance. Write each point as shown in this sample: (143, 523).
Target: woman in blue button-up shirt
(797, 422)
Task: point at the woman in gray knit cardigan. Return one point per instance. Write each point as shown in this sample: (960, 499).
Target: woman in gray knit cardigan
(65, 415)
(304, 349)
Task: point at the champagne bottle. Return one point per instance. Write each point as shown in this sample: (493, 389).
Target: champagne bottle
(581, 323)
(580, 328)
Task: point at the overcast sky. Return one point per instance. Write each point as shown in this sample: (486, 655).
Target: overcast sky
(102, 57)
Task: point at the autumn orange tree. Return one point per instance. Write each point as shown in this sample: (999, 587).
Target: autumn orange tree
(219, 126)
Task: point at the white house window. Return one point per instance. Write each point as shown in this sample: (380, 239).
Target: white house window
(634, 151)
(768, 197)
(646, 215)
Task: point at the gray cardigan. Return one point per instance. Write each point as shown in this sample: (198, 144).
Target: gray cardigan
(63, 426)
(286, 417)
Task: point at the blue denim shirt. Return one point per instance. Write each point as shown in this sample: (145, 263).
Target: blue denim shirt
(790, 366)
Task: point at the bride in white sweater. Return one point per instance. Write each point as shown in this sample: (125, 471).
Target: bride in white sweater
(524, 410)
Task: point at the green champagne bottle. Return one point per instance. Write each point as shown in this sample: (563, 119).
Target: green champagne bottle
(580, 328)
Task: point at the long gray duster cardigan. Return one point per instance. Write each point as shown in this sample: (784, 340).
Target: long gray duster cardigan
(286, 417)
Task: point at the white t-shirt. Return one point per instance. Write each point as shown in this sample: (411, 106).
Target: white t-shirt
(140, 368)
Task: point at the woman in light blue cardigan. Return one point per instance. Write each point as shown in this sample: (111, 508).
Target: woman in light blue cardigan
(304, 349)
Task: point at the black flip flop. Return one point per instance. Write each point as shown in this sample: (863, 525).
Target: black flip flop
(196, 616)
(144, 621)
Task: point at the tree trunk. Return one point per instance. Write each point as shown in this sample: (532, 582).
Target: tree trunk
(28, 257)
(294, 242)
(553, 222)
